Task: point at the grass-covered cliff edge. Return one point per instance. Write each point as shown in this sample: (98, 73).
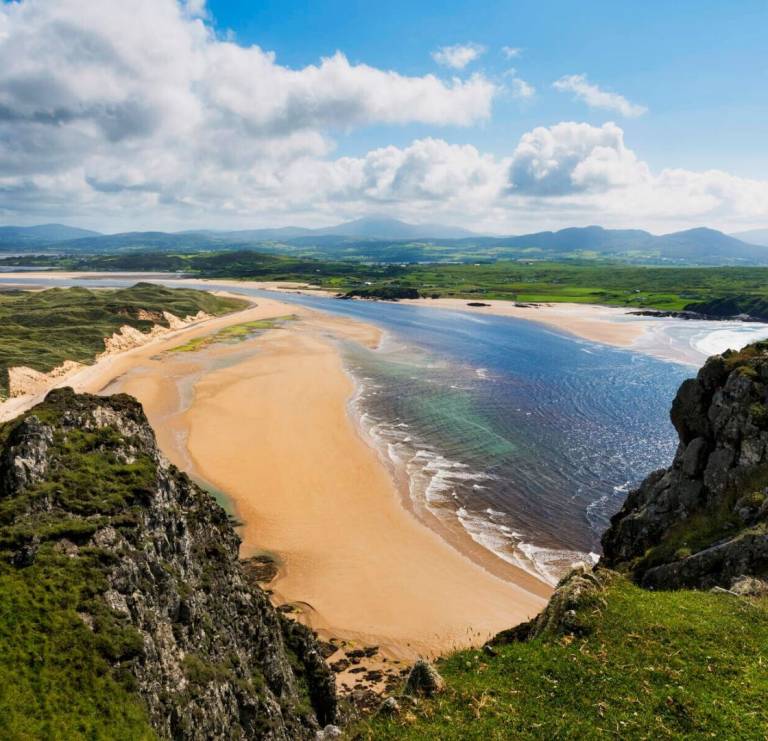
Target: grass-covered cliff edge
(43, 329)
(668, 637)
(124, 612)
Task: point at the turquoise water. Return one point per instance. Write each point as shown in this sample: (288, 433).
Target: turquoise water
(527, 438)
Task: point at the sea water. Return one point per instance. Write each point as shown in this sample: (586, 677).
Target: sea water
(526, 438)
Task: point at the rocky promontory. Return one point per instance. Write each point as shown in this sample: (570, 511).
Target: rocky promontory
(703, 522)
(131, 613)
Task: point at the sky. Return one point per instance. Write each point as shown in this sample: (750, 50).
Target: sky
(502, 117)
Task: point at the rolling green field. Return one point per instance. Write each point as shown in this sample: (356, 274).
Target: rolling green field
(615, 284)
(42, 329)
(643, 665)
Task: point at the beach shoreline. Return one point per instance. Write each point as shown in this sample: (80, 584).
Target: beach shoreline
(271, 425)
(593, 322)
(355, 559)
(609, 325)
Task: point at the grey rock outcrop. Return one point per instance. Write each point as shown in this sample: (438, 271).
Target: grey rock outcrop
(213, 659)
(423, 679)
(702, 522)
(579, 588)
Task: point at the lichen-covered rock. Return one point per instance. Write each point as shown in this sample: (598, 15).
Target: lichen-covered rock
(749, 586)
(390, 707)
(579, 588)
(704, 520)
(212, 658)
(423, 679)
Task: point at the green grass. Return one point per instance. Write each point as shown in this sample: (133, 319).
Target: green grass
(56, 679)
(42, 329)
(234, 333)
(717, 289)
(653, 665)
(60, 678)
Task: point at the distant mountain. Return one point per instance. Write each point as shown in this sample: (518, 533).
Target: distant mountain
(377, 239)
(693, 246)
(367, 227)
(753, 236)
(44, 234)
(258, 235)
(147, 241)
(702, 243)
(380, 227)
(575, 239)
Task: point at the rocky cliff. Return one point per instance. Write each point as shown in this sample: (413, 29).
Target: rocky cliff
(136, 590)
(703, 521)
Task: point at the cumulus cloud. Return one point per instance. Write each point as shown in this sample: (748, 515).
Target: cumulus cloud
(458, 56)
(511, 52)
(571, 158)
(142, 79)
(594, 97)
(136, 115)
(566, 174)
(428, 170)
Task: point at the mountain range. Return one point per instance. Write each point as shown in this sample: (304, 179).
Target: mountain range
(754, 236)
(380, 239)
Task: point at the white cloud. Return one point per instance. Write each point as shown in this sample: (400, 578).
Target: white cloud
(518, 87)
(136, 115)
(428, 170)
(511, 52)
(567, 174)
(594, 97)
(458, 56)
(112, 77)
(573, 157)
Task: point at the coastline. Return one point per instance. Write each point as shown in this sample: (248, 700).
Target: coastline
(269, 424)
(609, 325)
(594, 322)
(605, 324)
(107, 366)
(355, 561)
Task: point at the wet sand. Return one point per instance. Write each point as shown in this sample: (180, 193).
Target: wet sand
(607, 324)
(274, 432)
(267, 422)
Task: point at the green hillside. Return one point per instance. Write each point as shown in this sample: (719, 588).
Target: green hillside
(631, 664)
(42, 329)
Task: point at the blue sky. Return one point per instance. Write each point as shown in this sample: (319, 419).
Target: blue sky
(700, 67)
(176, 114)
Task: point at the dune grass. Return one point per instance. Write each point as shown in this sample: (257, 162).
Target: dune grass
(42, 329)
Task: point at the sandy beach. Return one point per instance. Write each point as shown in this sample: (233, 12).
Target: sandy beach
(588, 321)
(591, 322)
(267, 422)
(269, 425)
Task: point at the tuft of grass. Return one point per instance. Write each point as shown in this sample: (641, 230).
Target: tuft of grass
(652, 665)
